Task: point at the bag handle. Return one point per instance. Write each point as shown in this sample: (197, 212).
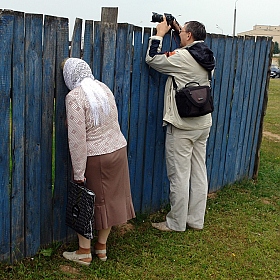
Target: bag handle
(186, 85)
(175, 87)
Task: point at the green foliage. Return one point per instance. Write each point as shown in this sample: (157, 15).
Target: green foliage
(276, 48)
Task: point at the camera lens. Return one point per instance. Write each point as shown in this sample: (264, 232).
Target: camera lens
(157, 17)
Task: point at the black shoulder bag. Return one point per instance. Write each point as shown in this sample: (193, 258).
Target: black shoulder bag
(193, 100)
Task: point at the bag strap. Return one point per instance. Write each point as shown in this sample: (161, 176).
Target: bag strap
(175, 85)
(209, 75)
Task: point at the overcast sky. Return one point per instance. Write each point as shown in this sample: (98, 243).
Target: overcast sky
(217, 15)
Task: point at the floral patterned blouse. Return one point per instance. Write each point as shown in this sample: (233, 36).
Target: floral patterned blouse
(84, 138)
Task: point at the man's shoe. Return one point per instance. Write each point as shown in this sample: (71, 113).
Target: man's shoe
(188, 227)
(161, 226)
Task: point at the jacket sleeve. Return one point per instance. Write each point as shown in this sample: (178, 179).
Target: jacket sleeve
(164, 62)
(76, 135)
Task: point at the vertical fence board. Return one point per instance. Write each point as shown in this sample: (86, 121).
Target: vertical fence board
(149, 150)
(211, 140)
(138, 180)
(236, 105)
(119, 68)
(160, 175)
(241, 112)
(49, 53)
(127, 82)
(76, 42)
(218, 114)
(262, 102)
(88, 43)
(33, 77)
(227, 93)
(97, 50)
(109, 55)
(6, 39)
(246, 110)
(18, 139)
(134, 109)
(250, 125)
(62, 165)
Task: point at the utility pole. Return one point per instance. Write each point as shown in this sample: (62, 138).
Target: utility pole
(234, 18)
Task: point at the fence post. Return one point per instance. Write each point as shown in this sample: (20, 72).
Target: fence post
(109, 15)
(109, 35)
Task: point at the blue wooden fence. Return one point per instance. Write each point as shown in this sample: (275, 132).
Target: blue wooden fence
(32, 117)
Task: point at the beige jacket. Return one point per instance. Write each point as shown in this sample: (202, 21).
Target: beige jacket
(185, 69)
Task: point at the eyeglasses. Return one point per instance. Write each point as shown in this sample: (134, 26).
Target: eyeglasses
(182, 31)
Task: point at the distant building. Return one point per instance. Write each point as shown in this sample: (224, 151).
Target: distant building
(264, 30)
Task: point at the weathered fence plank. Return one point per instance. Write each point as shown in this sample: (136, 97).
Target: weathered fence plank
(264, 61)
(6, 39)
(233, 133)
(109, 56)
(215, 141)
(249, 130)
(88, 43)
(149, 150)
(18, 139)
(49, 54)
(33, 164)
(138, 180)
(134, 108)
(122, 74)
(226, 93)
(62, 166)
(126, 81)
(245, 116)
(76, 42)
(120, 66)
(97, 50)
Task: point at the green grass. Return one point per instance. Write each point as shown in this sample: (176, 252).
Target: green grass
(241, 238)
(271, 122)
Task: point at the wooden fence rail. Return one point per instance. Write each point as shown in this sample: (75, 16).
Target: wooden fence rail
(34, 156)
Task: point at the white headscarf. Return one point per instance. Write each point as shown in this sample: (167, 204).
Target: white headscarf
(76, 72)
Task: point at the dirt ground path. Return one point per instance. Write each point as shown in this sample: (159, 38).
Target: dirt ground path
(271, 136)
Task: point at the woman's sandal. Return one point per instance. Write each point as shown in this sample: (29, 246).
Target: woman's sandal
(100, 253)
(79, 258)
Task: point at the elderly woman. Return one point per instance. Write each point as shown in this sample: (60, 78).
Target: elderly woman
(98, 154)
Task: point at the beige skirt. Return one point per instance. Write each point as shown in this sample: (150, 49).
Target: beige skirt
(107, 175)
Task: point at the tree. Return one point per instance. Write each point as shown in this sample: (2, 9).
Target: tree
(276, 48)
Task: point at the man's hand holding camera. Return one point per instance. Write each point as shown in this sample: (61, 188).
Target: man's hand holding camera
(163, 28)
(166, 22)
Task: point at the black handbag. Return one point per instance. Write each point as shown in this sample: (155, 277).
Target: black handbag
(80, 209)
(193, 101)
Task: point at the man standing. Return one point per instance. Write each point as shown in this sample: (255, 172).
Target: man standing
(185, 147)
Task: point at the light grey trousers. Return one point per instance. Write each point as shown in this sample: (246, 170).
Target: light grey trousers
(186, 169)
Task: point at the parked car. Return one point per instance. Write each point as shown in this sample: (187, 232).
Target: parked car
(274, 72)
